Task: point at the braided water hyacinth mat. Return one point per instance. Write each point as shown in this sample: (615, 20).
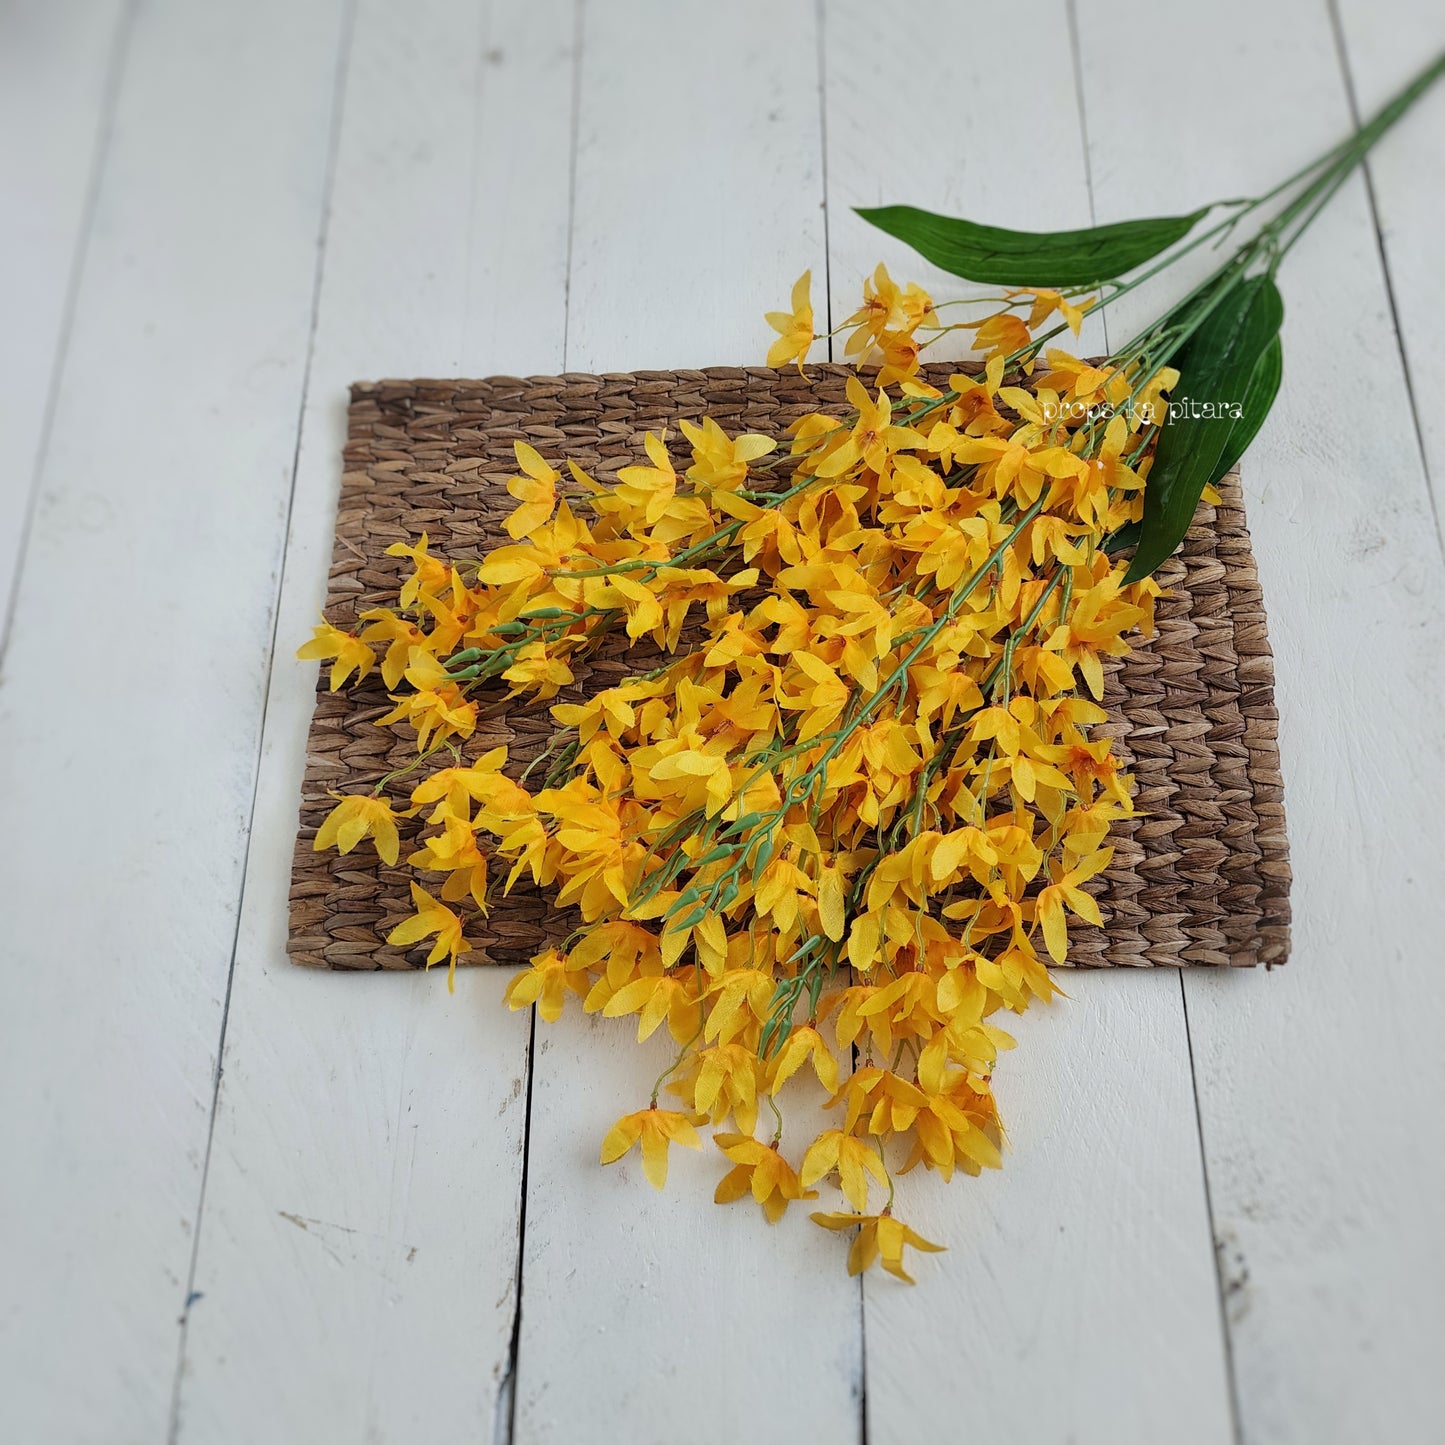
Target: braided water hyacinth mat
(1200, 876)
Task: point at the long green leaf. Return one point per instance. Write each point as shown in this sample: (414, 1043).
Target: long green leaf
(1127, 536)
(1217, 367)
(1258, 399)
(1031, 258)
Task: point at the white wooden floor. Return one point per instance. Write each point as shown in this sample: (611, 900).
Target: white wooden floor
(242, 1202)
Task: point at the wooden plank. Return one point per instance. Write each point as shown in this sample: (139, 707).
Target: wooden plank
(650, 1317)
(1386, 43)
(1318, 1084)
(56, 62)
(133, 692)
(358, 1249)
(1077, 1300)
(1080, 1282)
(698, 203)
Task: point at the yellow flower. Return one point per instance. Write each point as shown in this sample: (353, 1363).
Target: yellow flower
(454, 852)
(687, 767)
(1081, 382)
(351, 654)
(655, 1128)
(545, 982)
(878, 1234)
(850, 1156)
(761, 1169)
(902, 356)
(399, 635)
(1151, 404)
(355, 818)
(1065, 890)
(536, 490)
(958, 1124)
(887, 307)
(437, 709)
(874, 437)
(451, 788)
(976, 410)
(430, 576)
(1047, 301)
(1096, 622)
(649, 491)
(802, 1044)
(1000, 335)
(743, 998)
(723, 1079)
(538, 669)
(432, 917)
(654, 998)
(719, 460)
(795, 328)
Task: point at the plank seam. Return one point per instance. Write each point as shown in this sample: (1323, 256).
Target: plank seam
(862, 1327)
(333, 145)
(820, 23)
(577, 33)
(100, 156)
(1235, 1417)
(506, 1425)
(820, 16)
(1342, 54)
(505, 1430)
(1071, 12)
(1231, 1385)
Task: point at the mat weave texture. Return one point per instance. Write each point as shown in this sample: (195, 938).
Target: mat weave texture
(1200, 876)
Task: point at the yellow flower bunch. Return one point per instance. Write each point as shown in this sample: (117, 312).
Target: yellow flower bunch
(850, 810)
(847, 818)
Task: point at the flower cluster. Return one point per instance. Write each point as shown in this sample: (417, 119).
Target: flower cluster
(850, 815)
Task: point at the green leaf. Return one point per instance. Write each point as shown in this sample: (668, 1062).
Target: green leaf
(1258, 399)
(1031, 258)
(1127, 536)
(1216, 367)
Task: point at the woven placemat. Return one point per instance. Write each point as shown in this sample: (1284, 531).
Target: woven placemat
(1200, 876)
